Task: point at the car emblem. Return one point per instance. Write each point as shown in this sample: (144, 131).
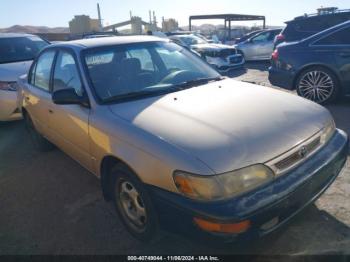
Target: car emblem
(303, 152)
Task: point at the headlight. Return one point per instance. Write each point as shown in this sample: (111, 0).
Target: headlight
(8, 86)
(222, 186)
(328, 131)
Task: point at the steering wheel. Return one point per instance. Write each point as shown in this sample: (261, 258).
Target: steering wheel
(179, 76)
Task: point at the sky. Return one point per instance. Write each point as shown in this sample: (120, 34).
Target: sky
(55, 13)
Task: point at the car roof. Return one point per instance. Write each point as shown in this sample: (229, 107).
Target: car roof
(12, 35)
(329, 30)
(108, 41)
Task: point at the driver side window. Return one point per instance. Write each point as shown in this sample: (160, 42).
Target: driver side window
(66, 74)
(261, 38)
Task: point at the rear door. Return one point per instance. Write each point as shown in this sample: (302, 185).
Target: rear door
(37, 96)
(338, 43)
(69, 124)
(262, 46)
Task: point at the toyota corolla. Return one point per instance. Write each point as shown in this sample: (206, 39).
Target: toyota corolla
(176, 145)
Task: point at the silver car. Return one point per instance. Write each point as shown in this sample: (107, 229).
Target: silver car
(258, 47)
(17, 52)
(222, 57)
(176, 145)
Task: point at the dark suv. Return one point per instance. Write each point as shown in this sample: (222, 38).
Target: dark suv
(305, 26)
(318, 67)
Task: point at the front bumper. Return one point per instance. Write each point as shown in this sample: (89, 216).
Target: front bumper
(281, 78)
(226, 64)
(282, 199)
(8, 106)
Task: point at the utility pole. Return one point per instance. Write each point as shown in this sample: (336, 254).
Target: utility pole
(99, 17)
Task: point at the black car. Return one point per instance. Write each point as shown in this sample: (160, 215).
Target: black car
(318, 67)
(304, 26)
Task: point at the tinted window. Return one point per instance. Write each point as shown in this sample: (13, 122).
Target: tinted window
(66, 73)
(341, 37)
(42, 70)
(20, 48)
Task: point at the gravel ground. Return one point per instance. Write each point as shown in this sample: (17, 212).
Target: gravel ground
(50, 205)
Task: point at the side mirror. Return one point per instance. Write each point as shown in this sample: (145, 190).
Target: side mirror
(69, 97)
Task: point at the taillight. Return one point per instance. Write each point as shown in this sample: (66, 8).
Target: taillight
(274, 55)
(280, 37)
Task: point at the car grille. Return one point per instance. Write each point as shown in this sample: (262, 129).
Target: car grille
(227, 52)
(296, 157)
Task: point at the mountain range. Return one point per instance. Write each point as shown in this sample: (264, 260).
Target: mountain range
(34, 29)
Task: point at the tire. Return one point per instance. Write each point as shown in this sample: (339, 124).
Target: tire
(318, 84)
(133, 204)
(39, 142)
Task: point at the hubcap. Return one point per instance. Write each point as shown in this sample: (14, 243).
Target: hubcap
(317, 86)
(132, 204)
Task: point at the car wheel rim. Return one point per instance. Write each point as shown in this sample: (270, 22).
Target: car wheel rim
(317, 86)
(132, 204)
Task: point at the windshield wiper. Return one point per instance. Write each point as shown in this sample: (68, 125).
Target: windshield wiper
(130, 96)
(197, 81)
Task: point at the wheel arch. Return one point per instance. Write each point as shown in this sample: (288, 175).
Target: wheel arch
(107, 163)
(308, 66)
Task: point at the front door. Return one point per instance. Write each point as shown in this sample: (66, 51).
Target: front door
(69, 124)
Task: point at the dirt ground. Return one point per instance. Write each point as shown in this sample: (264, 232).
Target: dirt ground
(51, 205)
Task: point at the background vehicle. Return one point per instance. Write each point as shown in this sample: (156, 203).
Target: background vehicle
(156, 123)
(17, 52)
(258, 47)
(304, 26)
(221, 57)
(317, 67)
(247, 36)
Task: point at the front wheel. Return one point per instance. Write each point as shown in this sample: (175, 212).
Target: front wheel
(318, 84)
(133, 204)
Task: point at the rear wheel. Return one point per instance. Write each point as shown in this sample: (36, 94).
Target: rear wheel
(40, 142)
(318, 84)
(133, 204)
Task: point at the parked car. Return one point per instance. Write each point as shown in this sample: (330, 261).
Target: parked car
(258, 47)
(304, 26)
(221, 57)
(247, 36)
(176, 145)
(317, 67)
(17, 52)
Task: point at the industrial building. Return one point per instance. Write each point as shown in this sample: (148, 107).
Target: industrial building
(81, 24)
(169, 25)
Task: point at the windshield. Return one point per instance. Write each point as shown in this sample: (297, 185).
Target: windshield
(18, 49)
(139, 70)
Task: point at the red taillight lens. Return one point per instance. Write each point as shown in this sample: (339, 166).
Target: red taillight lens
(280, 37)
(274, 55)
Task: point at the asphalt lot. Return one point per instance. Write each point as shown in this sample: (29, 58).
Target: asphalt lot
(51, 205)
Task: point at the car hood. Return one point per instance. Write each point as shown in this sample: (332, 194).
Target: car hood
(12, 71)
(211, 47)
(227, 124)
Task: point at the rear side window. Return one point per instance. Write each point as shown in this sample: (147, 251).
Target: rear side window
(341, 37)
(41, 73)
(66, 74)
